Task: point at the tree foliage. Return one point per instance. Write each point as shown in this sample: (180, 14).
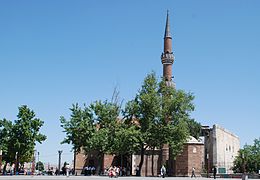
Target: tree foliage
(79, 128)
(39, 166)
(161, 114)
(248, 158)
(5, 132)
(18, 139)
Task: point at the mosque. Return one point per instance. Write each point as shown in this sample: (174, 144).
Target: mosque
(217, 148)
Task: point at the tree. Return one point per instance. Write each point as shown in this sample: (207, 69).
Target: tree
(105, 119)
(194, 128)
(248, 159)
(92, 128)
(176, 108)
(144, 110)
(19, 138)
(39, 166)
(79, 128)
(160, 113)
(5, 130)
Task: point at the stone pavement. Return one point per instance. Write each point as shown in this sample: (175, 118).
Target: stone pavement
(98, 178)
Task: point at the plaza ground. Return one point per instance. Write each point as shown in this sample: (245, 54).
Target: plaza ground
(98, 178)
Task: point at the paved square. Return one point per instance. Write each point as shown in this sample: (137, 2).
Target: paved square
(97, 178)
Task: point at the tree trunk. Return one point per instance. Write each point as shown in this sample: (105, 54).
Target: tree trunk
(100, 163)
(74, 162)
(141, 161)
(4, 169)
(152, 161)
(170, 163)
(121, 164)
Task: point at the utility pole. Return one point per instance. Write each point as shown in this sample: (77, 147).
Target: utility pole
(59, 151)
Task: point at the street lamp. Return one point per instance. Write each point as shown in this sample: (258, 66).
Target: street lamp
(60, 151)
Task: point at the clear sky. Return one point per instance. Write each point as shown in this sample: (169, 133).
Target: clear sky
(55, 53)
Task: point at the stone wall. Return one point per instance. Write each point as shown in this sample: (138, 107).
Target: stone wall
(226, 148)
(147, 164)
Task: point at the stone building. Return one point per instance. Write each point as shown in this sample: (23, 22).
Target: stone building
(221, 148)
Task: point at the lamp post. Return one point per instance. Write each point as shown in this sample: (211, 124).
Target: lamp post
(60, 151)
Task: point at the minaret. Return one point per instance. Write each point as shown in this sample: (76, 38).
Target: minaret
(167, 56)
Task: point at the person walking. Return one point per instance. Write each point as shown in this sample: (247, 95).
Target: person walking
(137, 170)
(163, 171)
(214, 172)
(193, 173)
(67, 169)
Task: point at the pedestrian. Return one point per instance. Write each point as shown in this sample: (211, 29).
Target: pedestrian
(137, 171)
(193, 173)
(117, 169)
(93, 170)
(56, 172)
(67, 169)
(163, 171)
(214, 172)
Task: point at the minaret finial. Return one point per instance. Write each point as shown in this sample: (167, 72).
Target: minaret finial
(167, 27)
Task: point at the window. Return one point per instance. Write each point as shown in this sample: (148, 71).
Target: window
(194, 150)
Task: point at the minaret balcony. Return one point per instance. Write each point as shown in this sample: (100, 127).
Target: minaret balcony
(167, 58)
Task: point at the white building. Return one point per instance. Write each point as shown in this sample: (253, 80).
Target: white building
(221, 148)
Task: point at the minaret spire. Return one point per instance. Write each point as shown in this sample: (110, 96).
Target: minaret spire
(167, 27)
(167, 56)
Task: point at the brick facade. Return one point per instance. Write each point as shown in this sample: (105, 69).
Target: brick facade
(191, 156)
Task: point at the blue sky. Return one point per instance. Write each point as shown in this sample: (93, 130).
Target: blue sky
(55, 53)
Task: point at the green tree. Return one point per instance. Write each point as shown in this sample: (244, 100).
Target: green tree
(39, 166)
(194, 128)
(176, 108)
(105, 119)
(161, 114)
(21, 136)
(248, 159)
(92, 128)
(79, 128)
(5, 130)
(144, 110)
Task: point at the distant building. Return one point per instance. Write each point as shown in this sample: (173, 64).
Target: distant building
(221, 148)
